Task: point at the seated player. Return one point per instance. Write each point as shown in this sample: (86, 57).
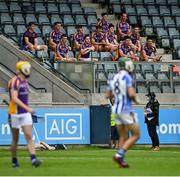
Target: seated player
(135, 38)
(111, 39)
(78, 37)
(148, 52)
(63, 50)
(123, 26)
(103, 22)
(97, 39)
(86, 48)
(55, 36)
(29, 40)
(125, 49)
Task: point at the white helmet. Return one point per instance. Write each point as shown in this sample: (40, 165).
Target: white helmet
(24, 67)
(127, 64)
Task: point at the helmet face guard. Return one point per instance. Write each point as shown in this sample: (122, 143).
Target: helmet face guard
(24, 67)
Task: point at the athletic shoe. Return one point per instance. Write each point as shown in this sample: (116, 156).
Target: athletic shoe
(15, 165)
(121, 162)
(37, 163)
(157, 148)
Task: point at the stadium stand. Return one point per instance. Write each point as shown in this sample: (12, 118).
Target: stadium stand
(159, 17)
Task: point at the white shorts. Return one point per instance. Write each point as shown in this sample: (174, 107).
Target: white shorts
(126, 118)
(20, 120)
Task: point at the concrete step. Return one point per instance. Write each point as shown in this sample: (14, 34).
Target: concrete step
(167, 57)
(94, 5)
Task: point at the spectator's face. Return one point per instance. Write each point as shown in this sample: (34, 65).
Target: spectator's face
(111, 29)
(81, 30)
(105, 17)
(98, 29)
(87, 40)
(32, 27)
(64, 40)
(124, 17)
(57, 27)
(150, 42)
(128, 41)
(136, 30)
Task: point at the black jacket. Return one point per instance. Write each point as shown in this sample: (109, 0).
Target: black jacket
(152, 112)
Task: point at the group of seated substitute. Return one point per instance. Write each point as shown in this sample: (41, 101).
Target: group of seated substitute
(122, 41)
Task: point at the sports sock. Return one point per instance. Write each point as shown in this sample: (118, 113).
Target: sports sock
(33, 158)
(121, 152)
(14, 160)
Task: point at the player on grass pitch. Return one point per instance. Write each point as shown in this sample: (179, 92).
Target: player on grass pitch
(121, 87)
(20, 112)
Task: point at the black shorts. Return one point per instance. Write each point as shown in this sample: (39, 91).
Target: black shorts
(114, 133)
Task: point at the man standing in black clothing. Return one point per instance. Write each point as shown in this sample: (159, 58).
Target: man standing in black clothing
(151, 113)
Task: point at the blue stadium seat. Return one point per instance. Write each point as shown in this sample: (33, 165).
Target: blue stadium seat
(52, 8)
(3, 7)
(100, 75)
(139, 76)
(30, 18)
(91, 19)
(79, 19)
(152, 10)
(5, 18)
(173, 33)
(40, 8)
(162, 76)
(14, 7)
(166, 87)
(18, 18)
(68, 20)
(64, 9)
(169, 22)
(76, 9)
(177, 19)
(141, 87)
(55, 18)
(157, 22)
(105, 56)
(164, 11)
(141, 10)
(116, 8)
(154, 87)
(149, 75)
(130, 10)
(9, 29)
(46, 29)
(145, 21)
(43, 19)
(175, 11)
(20, 29)
(70, 30)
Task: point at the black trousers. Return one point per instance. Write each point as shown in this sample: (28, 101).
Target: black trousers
(153, 135)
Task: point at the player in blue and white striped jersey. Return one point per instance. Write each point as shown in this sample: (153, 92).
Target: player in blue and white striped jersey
(121, 88)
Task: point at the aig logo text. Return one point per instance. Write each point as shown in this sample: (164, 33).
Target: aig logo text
(63, 126)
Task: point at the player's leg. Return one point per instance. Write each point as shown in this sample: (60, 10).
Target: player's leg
(26, 124)
(134, 128)
(119, 156)
(28, 135)
(15, 138)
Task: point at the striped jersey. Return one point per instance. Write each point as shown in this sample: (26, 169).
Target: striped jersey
(119, 86)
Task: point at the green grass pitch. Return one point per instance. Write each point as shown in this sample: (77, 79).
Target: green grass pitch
(94, 161)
